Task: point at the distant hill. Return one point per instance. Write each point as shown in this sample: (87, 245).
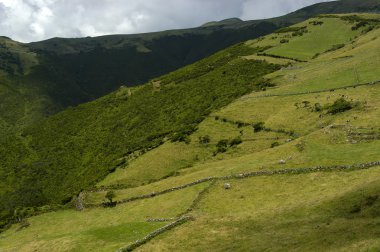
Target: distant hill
(230, 21)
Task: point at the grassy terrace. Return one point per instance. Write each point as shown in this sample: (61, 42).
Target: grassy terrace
(311, 212)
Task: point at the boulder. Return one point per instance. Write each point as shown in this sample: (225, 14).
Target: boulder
(282, 161)
(227, 186)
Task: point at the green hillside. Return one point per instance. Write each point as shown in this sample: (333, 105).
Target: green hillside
(85, 143)
(266, 145)
(42, 78)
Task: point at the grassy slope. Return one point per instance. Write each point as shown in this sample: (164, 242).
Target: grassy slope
(85, 143)
(48, 76)
(271, 110)
(96, 229)
(311, 212)
(298, 211)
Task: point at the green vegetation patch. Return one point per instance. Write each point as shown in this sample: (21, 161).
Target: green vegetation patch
(85, 143)
(317, 40)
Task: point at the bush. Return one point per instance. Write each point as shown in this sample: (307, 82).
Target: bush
(257, 127)
(306, 104)
(316, 55)
(339, 106)
(204, 139)
(264, 85)
(283, 41)
(181, 137)
(236, 141)
(317, 107)
(359, 25)
(291, 29)
(110, 195)
(221, 146)
(316, 23)
(335, 47)
(275, 144)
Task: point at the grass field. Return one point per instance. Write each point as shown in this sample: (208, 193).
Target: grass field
(311, 212)
(96, 229)
(317, 39)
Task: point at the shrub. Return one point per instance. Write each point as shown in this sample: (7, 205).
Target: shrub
(236, 141)
(221, 146)
(290, 29)
(299, 33)
(257, 127)
(275, 144)
(317, 107)
(306, 104)
(204, 139)
(301, 146)
(110, 195)
(335, 47)
(359, 25)
(283, 41)
(339, 106)
(316, 22)
(181, 137)
(316, 55)
(264, 85)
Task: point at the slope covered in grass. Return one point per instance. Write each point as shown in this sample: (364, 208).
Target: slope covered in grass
(42, 78)
(85, 143)
(301, 154)
(96, 229)
(313, 212)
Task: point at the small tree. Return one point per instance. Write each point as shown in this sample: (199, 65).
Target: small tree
(110, 195)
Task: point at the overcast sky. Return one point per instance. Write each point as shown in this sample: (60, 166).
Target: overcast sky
(33, 20)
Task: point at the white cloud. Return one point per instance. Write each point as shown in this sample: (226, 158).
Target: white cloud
(32, 20)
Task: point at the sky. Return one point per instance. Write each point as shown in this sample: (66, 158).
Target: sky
(34, 20)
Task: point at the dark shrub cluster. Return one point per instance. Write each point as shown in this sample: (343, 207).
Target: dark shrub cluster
(339, 106)
(291, 29)
(315, 23)
(257, 127)
(335, 47)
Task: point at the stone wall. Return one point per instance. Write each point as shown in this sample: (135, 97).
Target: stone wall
(155, 233)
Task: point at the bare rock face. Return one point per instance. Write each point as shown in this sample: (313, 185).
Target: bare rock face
(227, 186)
